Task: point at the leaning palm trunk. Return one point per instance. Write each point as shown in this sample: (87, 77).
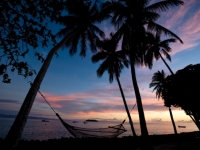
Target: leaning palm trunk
(145, 143)
(127, 111)
(170, 111)
(16, 129)
(166, 64)
(172, 119)
(143, 126)
(196, 121)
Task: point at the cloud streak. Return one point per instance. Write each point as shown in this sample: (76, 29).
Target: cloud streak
(186, 24)
(10, 101)
(100, 101)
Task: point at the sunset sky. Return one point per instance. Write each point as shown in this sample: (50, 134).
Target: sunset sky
(73, 89)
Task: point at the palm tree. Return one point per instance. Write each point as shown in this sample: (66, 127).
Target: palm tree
(130, 18)
(114, 62)
(79, 26)
(155, 49)
(159, 84)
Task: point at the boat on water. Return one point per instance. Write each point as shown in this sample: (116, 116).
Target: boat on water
(45, 120)
(75, 121)
(182, 126)
(91, 120)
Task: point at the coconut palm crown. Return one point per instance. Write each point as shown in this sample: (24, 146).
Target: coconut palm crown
(113, 62)
(80, 22)
(155, 47)
(157, 82)
(161, 86)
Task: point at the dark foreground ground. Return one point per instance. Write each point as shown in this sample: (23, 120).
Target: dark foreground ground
(188, 141)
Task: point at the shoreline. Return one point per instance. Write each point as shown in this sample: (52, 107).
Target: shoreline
(188, 141)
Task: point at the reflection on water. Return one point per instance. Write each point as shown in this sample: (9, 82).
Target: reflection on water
(36, 129)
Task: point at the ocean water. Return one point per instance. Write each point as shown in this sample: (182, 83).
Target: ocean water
(36, 129)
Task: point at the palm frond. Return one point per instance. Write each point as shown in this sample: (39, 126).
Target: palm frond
(167, 41)
(92, 37)
(166, 55)
(164, 5)
(94, 10)
(150, 16)
(101, 55)
(158, 81)
(72, 44)
(67, 20)
(117, 20)
(111, 7)
(149, 56)
(63, 32)
(97, 30)
(152, 26)
(111, 73)
(83, 45)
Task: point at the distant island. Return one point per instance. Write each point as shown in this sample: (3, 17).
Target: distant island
(91, 120)
(29, 117)
(45, 120)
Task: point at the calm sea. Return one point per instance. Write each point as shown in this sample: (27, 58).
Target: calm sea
(36, 129)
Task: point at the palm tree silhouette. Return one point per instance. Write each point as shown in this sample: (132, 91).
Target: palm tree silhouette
(156, 48)
(113, 62)
(79, 26)
(159, 84)
(131, 18)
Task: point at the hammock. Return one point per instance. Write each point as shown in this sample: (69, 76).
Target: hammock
(78, 132)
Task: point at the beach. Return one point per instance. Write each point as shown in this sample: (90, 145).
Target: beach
(53, 136)
(35, 129)
(188, 141)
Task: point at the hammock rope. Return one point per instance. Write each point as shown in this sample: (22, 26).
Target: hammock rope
(78, 132)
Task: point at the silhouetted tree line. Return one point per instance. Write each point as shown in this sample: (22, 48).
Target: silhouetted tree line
(180, 90)
(23, 27)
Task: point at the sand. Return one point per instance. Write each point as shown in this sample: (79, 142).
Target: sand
(188, 141)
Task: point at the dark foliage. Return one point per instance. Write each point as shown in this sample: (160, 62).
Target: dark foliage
(185, 91)
(182, 90)
(23, 27)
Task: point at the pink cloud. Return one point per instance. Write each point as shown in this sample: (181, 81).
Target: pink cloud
(185, 23)
(100, 102)
(176, 15)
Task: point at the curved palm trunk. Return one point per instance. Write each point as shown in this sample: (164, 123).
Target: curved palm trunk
(170, 111)
(196, 121)
(143, 126)
(166, 64)
(126, 107)
(17, 127)
(145, 143)
(172, 119)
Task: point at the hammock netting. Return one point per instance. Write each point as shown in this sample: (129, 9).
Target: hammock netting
(78, 132)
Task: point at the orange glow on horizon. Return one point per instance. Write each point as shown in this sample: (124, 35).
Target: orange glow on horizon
(153, 108)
